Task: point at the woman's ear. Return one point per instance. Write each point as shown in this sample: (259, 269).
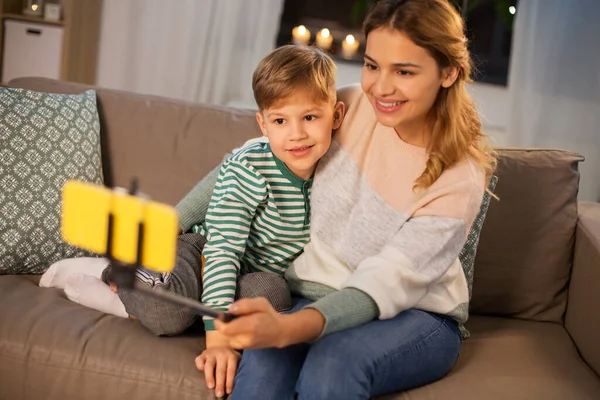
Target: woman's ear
(449, 75)
(338, 114)
(261, 124)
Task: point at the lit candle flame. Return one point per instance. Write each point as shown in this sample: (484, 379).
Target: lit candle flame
(301, 35)
(350, 39)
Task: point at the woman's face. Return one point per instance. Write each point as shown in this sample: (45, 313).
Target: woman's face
(401, 80)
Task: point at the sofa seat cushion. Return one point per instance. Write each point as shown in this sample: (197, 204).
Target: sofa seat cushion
(514, 359)
(52, 348)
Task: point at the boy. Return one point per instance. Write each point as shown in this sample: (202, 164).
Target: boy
(258, 217)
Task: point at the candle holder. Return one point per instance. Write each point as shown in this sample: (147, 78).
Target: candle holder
(33, 8)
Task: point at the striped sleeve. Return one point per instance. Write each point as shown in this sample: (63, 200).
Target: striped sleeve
(238, 192)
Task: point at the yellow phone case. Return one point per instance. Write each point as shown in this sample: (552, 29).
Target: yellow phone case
(161, 226)
(85, 213)
(128, 212)
(84, 221)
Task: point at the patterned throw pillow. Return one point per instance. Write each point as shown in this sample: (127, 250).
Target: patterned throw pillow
(45, 139)
(469, 250)
(467, 254)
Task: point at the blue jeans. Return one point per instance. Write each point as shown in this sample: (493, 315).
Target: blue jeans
(380, 357)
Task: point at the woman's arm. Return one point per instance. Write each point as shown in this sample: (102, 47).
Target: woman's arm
(425, 249)
(192, 208)
(419, 265)
(345, 309)
(260, 326)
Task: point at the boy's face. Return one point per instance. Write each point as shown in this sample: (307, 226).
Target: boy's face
(299, 129)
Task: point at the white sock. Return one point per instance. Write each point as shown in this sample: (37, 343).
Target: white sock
(91, 292)
(57, 274)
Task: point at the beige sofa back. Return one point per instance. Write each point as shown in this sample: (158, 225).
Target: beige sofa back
(524, 259)
(168, 145)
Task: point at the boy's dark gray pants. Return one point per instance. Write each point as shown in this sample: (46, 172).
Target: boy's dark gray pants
(164, 318)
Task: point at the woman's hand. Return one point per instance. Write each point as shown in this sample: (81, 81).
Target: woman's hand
(259, 326)
(219, 364)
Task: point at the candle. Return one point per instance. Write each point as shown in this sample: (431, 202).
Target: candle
(349, 47)
(33, 8)
(324, 39)
(300, 35)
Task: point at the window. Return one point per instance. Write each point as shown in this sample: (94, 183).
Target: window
(488, 22)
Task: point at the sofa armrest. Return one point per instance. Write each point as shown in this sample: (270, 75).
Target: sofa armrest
(583, 315)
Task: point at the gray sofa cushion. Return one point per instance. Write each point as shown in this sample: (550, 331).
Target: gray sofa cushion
(525, 252)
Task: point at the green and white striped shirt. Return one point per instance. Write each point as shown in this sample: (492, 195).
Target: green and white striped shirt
(258, 220)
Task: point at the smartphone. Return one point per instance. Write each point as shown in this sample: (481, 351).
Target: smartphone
(137, 230)
(89, 211)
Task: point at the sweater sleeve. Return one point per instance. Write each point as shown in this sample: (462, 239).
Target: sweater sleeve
(399, 276)
(192, 208)
(238, 192)
(345, 309)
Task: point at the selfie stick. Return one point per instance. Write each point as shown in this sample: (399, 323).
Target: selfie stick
(123, 275)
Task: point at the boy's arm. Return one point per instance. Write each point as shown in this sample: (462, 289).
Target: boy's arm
(238, 192)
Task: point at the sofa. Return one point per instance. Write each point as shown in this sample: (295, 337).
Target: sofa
(534, 319)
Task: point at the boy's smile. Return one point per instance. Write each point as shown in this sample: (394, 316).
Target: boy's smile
(300, 151)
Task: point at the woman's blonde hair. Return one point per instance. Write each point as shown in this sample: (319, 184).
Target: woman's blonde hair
(436, 26)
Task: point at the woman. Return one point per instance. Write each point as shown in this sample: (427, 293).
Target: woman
(380, 293)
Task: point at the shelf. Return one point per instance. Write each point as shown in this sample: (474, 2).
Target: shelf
(80, 26)
(27, 18)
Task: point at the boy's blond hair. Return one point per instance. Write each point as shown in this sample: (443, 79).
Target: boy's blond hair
(290, 68)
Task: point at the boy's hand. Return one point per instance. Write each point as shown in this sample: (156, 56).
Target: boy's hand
(219, 363)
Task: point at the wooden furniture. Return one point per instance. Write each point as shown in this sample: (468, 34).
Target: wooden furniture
(81, 24)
